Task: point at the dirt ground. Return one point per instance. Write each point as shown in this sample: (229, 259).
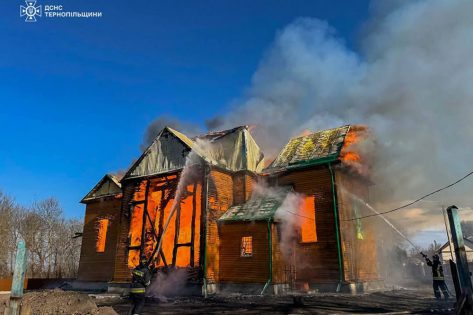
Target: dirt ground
(389, 302)
(58, 302)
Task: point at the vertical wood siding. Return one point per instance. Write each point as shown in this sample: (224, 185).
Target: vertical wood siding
(94, 266)
(237, 269)
(360, 255)
(316, 262)
(121, 272)
(220, 198)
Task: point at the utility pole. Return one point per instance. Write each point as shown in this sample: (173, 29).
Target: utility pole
(452, 255)
(18, 280)
(464, 301)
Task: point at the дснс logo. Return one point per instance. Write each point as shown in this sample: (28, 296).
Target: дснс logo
(31, 11)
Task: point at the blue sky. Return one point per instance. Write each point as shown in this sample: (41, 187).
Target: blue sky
(76, 95)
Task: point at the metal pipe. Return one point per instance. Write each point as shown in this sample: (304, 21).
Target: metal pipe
(270, 258)
(337, 230)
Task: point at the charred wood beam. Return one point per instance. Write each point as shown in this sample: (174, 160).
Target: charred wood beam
(203, 220)
(156, 235)
(194, 210)
(152, 226)
(164, 187)
(164, 201)
(176, 235)
(184, 245)
(145, 212)
(161, 253)
(139, 202)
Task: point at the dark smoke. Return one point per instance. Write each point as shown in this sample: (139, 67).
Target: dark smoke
(411, 84)
(159, 123)
(215, 123)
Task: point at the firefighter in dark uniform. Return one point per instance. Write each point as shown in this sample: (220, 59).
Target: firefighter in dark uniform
(438, 277)
(141, 278)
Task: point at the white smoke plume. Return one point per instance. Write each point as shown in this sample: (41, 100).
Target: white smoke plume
(411, 83)
(289, 219)
(167, 284)
(288, 215)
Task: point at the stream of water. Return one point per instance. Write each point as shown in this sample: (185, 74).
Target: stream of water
(367, 205)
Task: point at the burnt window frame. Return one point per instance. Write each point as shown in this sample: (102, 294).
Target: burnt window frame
(244, 240)
(314, 220)
(98, 229)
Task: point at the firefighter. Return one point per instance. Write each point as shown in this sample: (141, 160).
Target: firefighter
(437, 275)
(141, 278)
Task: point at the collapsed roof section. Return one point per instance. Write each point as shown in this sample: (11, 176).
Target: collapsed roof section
(108, 186)
(233, 149)
(262, 206)
(317, 148)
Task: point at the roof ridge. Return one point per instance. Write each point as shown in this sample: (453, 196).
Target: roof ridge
(319, 131)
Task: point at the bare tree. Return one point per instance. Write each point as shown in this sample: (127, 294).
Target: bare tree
(7, 246)
(53, 252)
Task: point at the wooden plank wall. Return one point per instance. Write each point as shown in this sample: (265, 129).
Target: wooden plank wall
(239, 190)
(280, 262)
(360, 255)
(316, 262)
(250, 181)
(95, 266)
(243, 183)
(220, 198)
(237, 269)
(121, 272)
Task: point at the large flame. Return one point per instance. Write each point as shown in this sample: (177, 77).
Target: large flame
(352, 153)
(307, 220)
(160, 189)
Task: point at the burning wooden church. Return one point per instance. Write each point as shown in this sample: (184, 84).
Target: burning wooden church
(231, 222)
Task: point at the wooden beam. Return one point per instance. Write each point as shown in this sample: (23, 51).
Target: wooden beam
(143, 227)
(203, 219)
(166, 197)
(176, 234)
(184, 245)
(194, 211)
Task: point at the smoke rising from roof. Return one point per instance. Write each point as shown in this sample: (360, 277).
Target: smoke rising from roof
(155, 127)
(411, 84)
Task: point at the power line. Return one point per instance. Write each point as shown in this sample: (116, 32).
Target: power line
(413, 202)
(395, 209)
(300, 215)
(398, 208)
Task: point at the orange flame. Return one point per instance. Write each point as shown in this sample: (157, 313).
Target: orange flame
(304, 133)
(307, 220)
(350, 154)
(181, 222)
(102, 226)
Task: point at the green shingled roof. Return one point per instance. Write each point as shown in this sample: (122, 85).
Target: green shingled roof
(316, 148)
(261, 207)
